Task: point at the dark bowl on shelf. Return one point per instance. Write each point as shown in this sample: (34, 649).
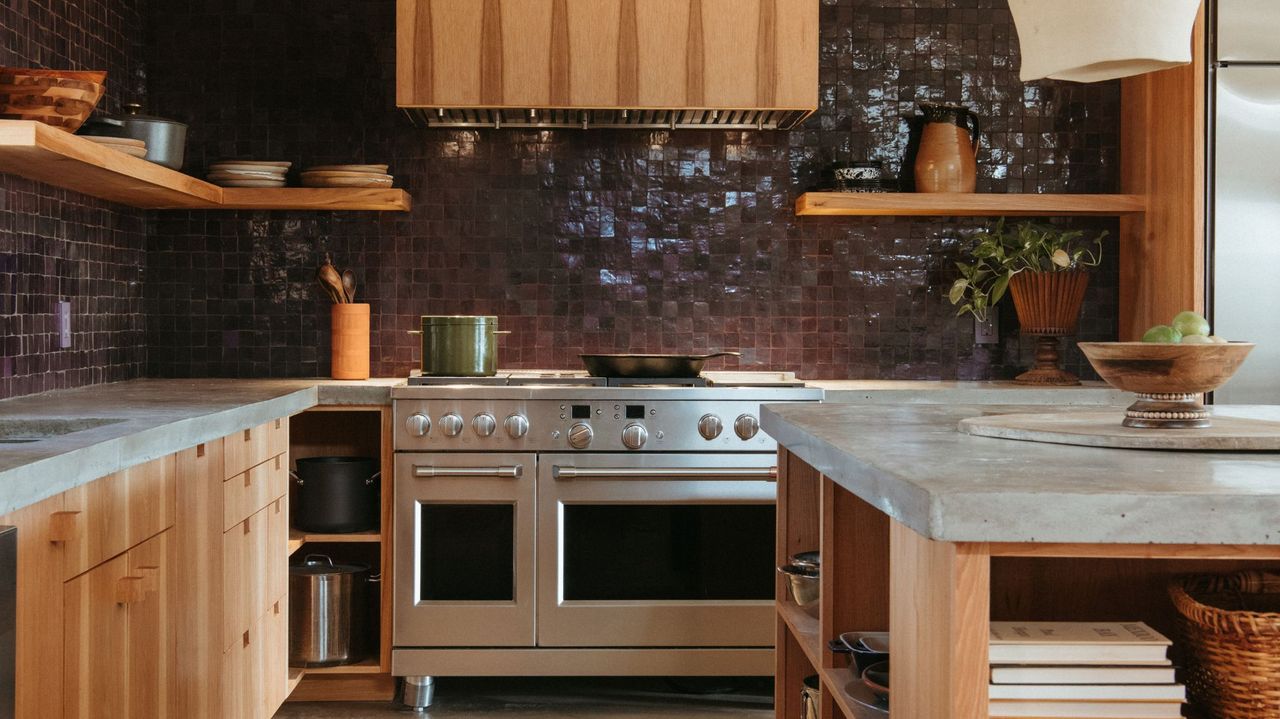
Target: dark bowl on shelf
(876, 677)
(863, 648)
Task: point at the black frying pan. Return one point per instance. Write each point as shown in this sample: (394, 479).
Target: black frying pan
(648, 365)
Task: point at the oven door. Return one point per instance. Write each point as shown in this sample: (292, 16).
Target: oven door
(672, 550)
(464, 530)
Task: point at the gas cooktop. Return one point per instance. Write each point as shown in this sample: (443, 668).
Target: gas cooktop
(579, 378)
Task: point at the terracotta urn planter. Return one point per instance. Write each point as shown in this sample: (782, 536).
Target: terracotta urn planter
(1048, 306)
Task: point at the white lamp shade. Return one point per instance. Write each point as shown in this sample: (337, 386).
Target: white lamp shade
(1095, 40)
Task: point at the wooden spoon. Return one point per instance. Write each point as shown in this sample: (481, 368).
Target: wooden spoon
(349, 285)
(329, 278)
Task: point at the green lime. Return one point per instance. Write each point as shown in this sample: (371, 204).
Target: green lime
(1196, 340)
(1190, 323)
(1162, 333)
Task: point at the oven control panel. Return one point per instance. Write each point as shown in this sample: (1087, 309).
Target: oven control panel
(599, 425)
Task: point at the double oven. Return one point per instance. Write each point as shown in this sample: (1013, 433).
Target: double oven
(548, 530)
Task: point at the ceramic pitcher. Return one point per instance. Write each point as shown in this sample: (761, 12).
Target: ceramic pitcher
(947, 158)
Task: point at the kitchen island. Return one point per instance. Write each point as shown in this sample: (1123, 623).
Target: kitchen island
(931, 533)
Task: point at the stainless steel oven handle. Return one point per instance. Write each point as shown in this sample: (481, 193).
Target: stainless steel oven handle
(514, 471)
(765, 473)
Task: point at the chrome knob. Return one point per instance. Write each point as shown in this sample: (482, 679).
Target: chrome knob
(517, 426)
(710, 427)
(451, 424)
(580, 435)
(634, 436)
(418, 424)
(484, 424)
(746, 426)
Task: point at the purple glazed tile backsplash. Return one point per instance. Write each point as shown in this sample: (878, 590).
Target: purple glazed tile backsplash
(57, 245)
(603, 240)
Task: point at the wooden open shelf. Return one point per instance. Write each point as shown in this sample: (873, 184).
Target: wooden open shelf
(920, 204)
(303, 537)
(46, 154)
(804, 628)
(368, 666)
(295, 676)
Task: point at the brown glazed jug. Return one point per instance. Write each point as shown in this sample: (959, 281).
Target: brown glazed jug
(947, 158)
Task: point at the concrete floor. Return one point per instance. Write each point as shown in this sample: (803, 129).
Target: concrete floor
(578, 698)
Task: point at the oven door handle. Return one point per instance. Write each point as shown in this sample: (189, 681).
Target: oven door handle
(766, 473)
(425, 471)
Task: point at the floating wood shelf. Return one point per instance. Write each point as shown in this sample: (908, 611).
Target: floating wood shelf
(46, 154)
(965, 204)
(308, 537)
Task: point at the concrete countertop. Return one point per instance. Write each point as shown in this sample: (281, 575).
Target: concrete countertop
(868, 391)
(911, 462)
(157, 417)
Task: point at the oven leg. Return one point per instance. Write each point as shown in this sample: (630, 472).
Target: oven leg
(419, 692)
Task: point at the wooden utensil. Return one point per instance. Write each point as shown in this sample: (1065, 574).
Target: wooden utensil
(331, 280)
(349, 285)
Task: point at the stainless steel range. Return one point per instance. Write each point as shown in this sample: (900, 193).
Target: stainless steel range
(549, 523)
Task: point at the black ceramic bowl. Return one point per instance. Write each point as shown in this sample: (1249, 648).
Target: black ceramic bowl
(863, 648)
(876, 677)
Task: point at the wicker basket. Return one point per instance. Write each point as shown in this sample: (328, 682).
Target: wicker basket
(63, 99)
(1231, 625)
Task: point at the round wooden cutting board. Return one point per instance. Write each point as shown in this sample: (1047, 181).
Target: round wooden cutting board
(1102, 429)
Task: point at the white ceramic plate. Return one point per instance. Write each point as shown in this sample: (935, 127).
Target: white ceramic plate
(245, 175)
(249, 164)
(373, 169)
(372, 181)
(250, 183)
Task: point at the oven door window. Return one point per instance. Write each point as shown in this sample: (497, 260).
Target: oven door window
(467, 552)
(680, 552)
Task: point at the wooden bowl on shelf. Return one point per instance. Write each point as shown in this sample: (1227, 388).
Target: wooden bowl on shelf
(1167, 377)
(59, 98)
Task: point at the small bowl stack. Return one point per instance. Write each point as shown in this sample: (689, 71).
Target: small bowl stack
(249, 173)
(127, 145)
(346, 176)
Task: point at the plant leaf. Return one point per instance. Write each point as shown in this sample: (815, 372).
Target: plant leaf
(998, 289)
(1061, 258)
(957, 291)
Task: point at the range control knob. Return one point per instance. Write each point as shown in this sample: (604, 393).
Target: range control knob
(418, 424)
(484, 424)
(634, 436)
(451, 424)
(580, 435)
(746, 426)
(517, 426)
(710, 427)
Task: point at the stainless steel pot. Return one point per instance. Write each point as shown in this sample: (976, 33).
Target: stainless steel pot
(810, 697)
(327, 612)
(166, 139)
(459, 345)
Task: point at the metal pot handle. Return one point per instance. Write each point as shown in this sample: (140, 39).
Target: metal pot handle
(372, 479)
(317, 557)
(838, 646)
(297, 480)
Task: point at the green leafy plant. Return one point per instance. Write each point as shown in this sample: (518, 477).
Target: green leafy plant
(999, 254)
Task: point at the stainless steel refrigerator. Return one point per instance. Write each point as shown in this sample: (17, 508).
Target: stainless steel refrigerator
(1245, 220)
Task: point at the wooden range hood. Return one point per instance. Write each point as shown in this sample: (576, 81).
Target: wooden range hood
(607, 63)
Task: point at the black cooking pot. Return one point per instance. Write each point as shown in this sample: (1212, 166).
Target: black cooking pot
(336, 495)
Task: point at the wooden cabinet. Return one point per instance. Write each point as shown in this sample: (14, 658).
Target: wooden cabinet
(660, 54)
(134, 600)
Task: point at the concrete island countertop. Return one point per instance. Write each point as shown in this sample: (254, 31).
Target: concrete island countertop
(911, 462)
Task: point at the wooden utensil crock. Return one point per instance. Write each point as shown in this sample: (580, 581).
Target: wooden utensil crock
(1048, 305)
(350, 343)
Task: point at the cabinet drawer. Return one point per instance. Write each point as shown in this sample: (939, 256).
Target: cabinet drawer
(275, 641)
(244, 449)
(244, 678)
(277, 556)
(107, 516)
(254, 489)
(244, 560)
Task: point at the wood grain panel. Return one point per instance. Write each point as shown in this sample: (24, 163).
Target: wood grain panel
(855, 566)
(456, 40)
(799, 494)
(963, 204)
(152, 635)
(730, 51)
(696, 58)
(559, 61)
(796, 49)
(594, 26)
(793, 666)
(197, 616)
(628, 56)
(939, 616)
(767, 54)
(345, 688)
(39, 614)
(1162, 136)
(252, 490)
(408, 26)
(118, 511)
(526, 62)
(662, 62)
(491, 59)
(96, 644)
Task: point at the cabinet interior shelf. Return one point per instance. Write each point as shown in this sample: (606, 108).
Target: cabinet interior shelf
(921, 204)
(298, 538)
(46, 154)
(368, 666)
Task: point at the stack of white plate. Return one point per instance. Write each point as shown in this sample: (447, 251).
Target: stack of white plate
(249, 173)
(346, 176)
(127, 145)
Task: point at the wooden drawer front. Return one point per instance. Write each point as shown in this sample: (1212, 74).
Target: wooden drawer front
(254, 489)
(255, 445)
(95, 641)
(277, 556)
(275, 642)
(107, 516)
(244, 675)
(244, 558)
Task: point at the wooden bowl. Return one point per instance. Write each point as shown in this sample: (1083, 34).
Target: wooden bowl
(1168, 378)
(60, 98)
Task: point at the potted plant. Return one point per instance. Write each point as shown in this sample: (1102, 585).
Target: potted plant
(1044, 267)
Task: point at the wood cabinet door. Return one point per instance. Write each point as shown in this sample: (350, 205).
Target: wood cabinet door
(109, 515)
(95, 643)
(197, 596)
(244, 582)
(151, 635)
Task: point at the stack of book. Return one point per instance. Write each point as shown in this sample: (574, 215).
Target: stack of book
(1114, 670)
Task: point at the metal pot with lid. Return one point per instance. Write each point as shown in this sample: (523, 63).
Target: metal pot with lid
(328, 605)
(166, 139)
(459, 345)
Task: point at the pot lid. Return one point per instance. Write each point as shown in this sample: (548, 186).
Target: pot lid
(318, 565)
(458, 319)
(133, 111)
(1096, 40)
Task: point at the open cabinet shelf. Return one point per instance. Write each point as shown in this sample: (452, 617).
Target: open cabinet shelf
(921, 204)
(36, 151)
